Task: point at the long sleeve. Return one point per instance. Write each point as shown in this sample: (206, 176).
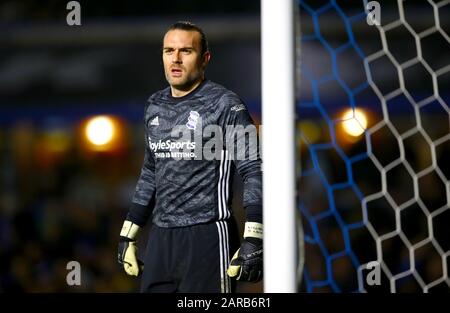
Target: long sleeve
(241, 140)
(143, 200)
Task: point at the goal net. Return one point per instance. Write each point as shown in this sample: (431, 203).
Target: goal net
(373, 133)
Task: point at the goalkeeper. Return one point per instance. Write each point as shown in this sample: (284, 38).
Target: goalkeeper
(193, 244)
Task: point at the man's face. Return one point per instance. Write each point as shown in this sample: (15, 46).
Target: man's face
(184, 65)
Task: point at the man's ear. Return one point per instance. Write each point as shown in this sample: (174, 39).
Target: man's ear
(206, 57)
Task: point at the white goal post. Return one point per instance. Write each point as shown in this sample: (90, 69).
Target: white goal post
(278, 145)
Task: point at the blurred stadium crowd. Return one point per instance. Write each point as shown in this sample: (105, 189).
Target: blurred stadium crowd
(59, 204)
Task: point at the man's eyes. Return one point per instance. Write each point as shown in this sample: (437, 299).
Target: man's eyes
(184, 51)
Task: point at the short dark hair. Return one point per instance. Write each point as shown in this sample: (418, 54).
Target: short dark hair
(189, 26)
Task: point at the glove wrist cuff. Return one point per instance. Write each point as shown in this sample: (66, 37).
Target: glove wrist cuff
(253, 229)
(130, 230)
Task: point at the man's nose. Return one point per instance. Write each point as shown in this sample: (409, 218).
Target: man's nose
(176, 57)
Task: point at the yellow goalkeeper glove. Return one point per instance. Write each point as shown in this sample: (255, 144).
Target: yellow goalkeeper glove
(128, 249)
(247, 262)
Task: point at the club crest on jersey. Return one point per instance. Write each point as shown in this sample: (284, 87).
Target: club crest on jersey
(192, 120)
(155, 121)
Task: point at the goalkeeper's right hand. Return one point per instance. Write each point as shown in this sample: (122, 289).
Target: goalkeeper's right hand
(128, 249)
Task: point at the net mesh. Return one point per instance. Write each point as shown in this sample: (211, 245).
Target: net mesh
(373, 184)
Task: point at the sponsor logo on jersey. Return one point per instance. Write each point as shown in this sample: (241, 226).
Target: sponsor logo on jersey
(171, 145)
(240, 141)
(192, 120)
(173, 149)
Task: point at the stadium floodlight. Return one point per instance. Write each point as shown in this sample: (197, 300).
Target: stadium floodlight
(102, 133)
(354, 122)
(100, 130)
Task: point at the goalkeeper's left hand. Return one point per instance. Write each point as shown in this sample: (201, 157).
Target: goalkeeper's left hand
(247, 262)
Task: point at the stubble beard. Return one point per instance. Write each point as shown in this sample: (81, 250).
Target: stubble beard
(185, 83)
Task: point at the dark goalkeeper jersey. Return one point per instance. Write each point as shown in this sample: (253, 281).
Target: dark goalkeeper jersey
(193, 146)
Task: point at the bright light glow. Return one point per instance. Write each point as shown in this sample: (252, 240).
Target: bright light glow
(355, 122)
(310, 131)
(100, 130)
